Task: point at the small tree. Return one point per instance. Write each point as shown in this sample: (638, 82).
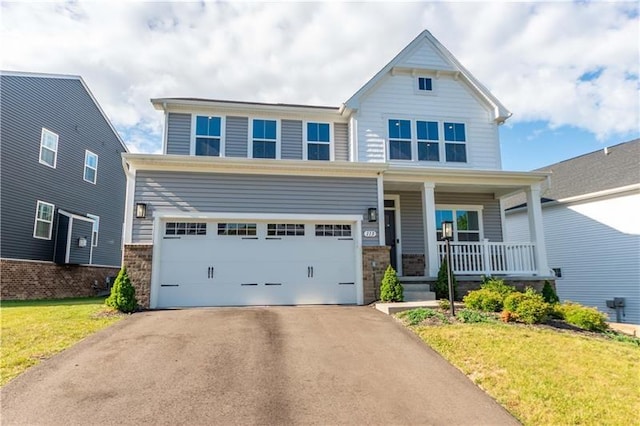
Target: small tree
(122, 296)
(549, 293)
(442, 284)
(391, 289)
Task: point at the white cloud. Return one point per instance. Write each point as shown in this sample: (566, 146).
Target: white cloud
(531, 55)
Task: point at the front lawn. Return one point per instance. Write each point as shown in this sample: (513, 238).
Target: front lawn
(35, 330)
(544, 376)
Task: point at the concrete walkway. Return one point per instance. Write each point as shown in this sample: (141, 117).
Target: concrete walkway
(244, 366)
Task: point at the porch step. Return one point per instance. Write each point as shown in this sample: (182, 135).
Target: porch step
(417, 292)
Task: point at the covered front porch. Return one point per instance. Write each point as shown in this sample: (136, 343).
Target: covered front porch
(415, 202)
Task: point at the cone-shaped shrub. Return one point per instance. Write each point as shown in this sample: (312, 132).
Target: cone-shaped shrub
(442, 284)
(549, 293)
(391, 289)
(123, 295)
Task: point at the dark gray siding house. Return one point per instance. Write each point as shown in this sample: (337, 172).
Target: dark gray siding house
(63, 188)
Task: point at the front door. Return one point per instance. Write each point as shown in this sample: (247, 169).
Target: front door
(390, 235)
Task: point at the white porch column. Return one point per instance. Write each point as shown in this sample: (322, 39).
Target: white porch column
(431, 264)
(381, 229)
(536, 230)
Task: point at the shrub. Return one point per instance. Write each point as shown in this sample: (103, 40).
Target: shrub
(619, 337)
(123, 295)
(583, 316)
(444, 304)
(484, 300)
(442, 284)
(416, 316)
(391, 290)
(549, 293)
(512, 301)
(472, 316)
(529, 307)
(498, 286)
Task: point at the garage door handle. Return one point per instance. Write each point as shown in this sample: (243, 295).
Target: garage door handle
(210, 272)
(310, 272)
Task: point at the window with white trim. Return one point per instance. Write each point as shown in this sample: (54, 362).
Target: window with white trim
(466, 223)
(264, 138)
(44, 220)
(425, 84)
(48, 148)
(428, 146)
(318, 141)
(455, 142)
(208, 136)
(95, 230)
(90, 166)
(399, 139)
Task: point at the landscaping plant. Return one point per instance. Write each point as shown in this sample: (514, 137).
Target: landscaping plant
(441, 286)
(583, 316)
(549, 293)
(528, 307)
(391, 289)
(473, 316)
(416, 316)
(490, 297)
(122, 296)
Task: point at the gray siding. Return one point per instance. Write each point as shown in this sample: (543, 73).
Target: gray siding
(80, 255)
(63, 106)
(178, 133)
(341, 140)
(198, 192)
(236, 137)
(291, 146)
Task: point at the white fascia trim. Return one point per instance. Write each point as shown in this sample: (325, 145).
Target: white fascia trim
(75, 216)
(163, 214)
(463, 176)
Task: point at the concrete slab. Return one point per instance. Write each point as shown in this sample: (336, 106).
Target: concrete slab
(631, 329)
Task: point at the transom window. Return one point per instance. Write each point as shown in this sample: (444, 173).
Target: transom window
(48, 148)
(95, 230)
(285, 229)
(185, 228)
(455, 146)
(333, 230)
(44, 220)
(208, 135)
(466, 223)
(425, 84)
(318, 141)
(399, 139)
(264, 138)
(242, 229)
(90, 166)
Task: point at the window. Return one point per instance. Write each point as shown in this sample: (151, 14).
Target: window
(318, 141)
(208, 135)
(264, 139)
(96, 228)
(399, 139)
(243, 229)
(282, 229)
(48, 148)
(90, 166)
(44, 220)
(333, 230)
(428, 147)
(425, 84)
(185, 228)
(455, 149)
(466, 223)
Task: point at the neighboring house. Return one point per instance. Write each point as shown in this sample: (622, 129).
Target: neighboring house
(63, 188)
(256, 203)
(591, 225)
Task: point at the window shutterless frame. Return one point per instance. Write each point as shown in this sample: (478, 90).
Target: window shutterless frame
(194, 135)
(90, 173)
(96, 229)
(48, 148)
(261, 121)
(319, 139)
(43, 224)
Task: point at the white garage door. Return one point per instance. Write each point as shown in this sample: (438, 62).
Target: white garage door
(256, 263)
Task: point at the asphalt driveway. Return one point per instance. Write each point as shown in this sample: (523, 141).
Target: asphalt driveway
(280, 365)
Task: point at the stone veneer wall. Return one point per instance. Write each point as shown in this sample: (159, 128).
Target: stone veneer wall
(137, 260)
(372, 276)
(412, 265)
(25, 280)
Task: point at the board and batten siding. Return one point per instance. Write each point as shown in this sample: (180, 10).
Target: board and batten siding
(396, 98)
(220, 193)
(236, 137)
(596, 245)
(291, 145)
(63, 106)
(341, 141)
(178, 133)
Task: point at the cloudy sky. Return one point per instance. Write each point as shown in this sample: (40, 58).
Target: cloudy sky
(568, 71)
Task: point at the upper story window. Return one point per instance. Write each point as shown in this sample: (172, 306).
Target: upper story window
(399, 139)
(208, 135)
(318, 141)
(90, 166)
(264, 138)
(48, 148)
(95, 230)
(425, 84)
(428, 146)
(455, 142)
(466, 222)
(44, 220)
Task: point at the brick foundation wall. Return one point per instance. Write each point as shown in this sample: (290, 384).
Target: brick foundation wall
(22, 280)
(371, 277)
(412, 265)
(137, 260)
(465, 286)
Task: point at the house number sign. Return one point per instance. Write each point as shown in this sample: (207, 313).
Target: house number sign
(370, 234)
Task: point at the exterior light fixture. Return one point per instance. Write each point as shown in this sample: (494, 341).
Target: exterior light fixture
(372, 214)
(82, 242)
(141, 210)
(447, 230)
(447, 235)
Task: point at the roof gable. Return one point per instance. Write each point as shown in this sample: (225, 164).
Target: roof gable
(426, 53)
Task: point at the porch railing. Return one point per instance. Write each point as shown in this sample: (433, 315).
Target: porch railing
(490, 258)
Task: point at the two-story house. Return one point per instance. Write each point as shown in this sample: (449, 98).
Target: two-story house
(256, 203)
(63, 188)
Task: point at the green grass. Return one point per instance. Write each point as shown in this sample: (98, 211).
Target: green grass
(545, 377)
(35, 330)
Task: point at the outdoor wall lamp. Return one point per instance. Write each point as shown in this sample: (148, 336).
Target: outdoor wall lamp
(141, 210)
(447, 230)
(372, 214)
